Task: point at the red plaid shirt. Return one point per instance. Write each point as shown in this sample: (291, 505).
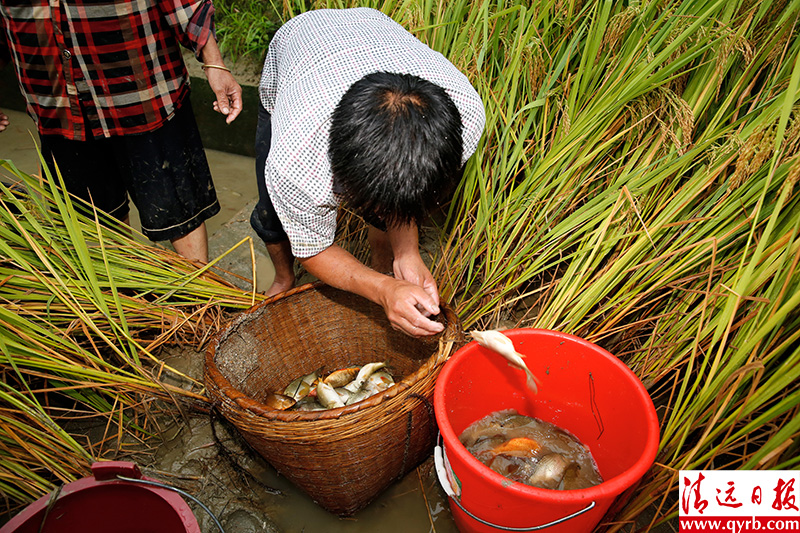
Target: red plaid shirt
(98, 68)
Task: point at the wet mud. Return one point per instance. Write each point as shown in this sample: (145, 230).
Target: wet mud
(203, 455)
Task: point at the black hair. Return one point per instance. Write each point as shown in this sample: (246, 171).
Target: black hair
(395, 147)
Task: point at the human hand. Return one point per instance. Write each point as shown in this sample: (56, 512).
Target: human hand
(412, 269)
(228, 93)
(407, 307)
(3, 121)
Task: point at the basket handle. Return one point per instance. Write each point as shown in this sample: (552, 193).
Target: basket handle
(438, 458)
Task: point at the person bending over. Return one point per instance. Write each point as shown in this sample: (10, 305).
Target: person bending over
(357, 111)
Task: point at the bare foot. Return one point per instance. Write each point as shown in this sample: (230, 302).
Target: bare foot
(278, 287)
(280, 253)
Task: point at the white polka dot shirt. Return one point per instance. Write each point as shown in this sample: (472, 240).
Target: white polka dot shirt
(312, 60)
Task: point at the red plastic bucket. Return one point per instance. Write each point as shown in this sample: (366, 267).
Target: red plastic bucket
(104, 503)
(584, 389)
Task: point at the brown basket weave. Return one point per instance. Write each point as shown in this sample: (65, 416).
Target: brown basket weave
(342, 457)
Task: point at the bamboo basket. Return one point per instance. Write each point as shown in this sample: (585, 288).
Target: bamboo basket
(342, 458)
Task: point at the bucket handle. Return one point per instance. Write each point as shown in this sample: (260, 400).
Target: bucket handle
(438, 460)
(174, 489)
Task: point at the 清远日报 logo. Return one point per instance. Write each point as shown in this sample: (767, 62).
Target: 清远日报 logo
(739, 501)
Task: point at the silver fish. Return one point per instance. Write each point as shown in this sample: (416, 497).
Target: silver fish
(497, 342)
(375, 383)
(362, 376)
(549, 472)
(344, 394)
(358, 396)
(309, 403)
(328, 397)
(301, 387)
(378, 382)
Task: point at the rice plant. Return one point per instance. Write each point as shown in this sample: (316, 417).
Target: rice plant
(85, 306)
(244, 28)
(636, 186)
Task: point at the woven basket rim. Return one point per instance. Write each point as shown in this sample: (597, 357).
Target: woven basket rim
(448, 339)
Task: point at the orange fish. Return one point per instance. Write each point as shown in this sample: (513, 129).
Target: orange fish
(518, 447)
(278, 402)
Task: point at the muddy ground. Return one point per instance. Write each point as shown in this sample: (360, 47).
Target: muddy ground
(203, 455)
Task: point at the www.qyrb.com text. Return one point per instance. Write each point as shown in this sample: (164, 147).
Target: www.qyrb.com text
(739, 501)
(738, 525)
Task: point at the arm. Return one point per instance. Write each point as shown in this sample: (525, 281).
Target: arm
(400, 299)
(222, 82)
(408, 264)
(193, 22)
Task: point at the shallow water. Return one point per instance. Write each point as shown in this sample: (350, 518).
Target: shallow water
(413, 504)
(531, 451)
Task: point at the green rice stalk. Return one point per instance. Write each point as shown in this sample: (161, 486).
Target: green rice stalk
(85, 305)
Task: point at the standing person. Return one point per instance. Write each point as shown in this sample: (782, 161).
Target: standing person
(106, 84)
(355, 109)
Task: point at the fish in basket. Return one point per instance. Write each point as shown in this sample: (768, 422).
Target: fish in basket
(341, 457)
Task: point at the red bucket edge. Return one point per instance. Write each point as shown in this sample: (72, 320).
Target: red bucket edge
(610, 487)
(104, 474)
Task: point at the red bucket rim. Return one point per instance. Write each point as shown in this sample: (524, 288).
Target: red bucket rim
(612, 486)
(105, 474)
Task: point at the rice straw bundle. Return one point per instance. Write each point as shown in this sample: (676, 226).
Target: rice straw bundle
(85, 306)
